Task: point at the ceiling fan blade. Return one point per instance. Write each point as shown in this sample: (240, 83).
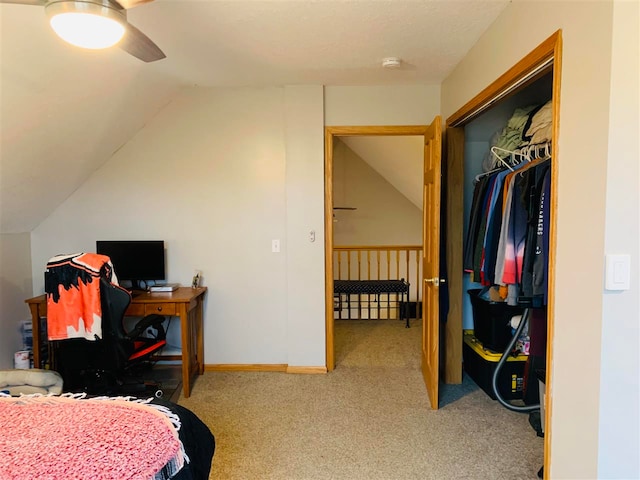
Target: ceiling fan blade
(127, 4)
(140, 46)
(25, 2)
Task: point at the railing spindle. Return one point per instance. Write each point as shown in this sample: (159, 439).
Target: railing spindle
(376, 271)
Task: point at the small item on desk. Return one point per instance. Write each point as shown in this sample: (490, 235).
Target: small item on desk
(195, 283)
(167, 287)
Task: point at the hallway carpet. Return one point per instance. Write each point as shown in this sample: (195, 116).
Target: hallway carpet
(368, 419)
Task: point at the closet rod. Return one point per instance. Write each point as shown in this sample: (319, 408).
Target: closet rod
(524, 152)
(521, 81)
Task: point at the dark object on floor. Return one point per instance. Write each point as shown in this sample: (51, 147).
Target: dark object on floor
(480, 364)
(536, 422)
(411, 310)
(491, 321)
(199, 443)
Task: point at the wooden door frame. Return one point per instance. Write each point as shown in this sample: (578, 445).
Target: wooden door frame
(546, 56)
(329, 134)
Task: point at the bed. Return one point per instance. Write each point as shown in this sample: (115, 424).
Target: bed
(343, 290)
(55, 437)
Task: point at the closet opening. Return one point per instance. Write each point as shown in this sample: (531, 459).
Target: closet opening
(485, 143)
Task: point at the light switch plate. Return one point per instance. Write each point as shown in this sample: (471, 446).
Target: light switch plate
(617, 272)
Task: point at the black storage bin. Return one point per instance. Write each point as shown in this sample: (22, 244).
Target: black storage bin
(411, 309)
(491, 321)
(480, 365)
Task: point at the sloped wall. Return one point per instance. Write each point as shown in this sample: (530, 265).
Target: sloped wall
(15, 288)
(207, 176)
(383, 217)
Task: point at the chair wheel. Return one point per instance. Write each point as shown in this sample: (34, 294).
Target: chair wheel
(159, 393)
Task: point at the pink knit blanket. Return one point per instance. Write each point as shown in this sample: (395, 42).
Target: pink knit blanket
(72, 437)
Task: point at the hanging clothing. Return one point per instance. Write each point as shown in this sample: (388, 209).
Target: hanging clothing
(535, 228)
(474, 222)
(72, 284)
(540, 277)
(507, 239)
(540, 127)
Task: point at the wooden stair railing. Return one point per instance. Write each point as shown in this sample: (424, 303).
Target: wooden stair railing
(382, 262)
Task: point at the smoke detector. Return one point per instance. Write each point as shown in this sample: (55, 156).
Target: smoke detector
(391, 62)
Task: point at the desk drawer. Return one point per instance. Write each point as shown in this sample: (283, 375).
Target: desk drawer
(160, 308)
(135, 310)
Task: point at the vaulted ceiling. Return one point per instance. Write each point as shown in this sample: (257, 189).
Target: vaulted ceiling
(397, 159)
(64, 111)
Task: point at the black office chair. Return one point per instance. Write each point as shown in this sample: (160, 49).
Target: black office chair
(104, 364)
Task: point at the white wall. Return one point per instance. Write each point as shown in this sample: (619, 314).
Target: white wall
(619, 441)
(218, 174)
(15, 288)
(391, 105)
(381, 105)
(383, 217)
(207, 175)
(304, 134)
(583, 150)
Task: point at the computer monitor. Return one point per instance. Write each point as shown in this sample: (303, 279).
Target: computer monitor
(135, 260)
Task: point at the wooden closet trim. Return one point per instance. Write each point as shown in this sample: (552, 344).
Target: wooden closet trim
(383, 130)
(549, 52)
(536, 61)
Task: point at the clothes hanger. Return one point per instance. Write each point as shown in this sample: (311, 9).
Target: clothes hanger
(494, 151)
(540, 150)
(513, 153)
(484, 174)
(524, 153)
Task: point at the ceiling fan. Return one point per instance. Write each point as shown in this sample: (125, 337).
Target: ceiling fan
(81, 23)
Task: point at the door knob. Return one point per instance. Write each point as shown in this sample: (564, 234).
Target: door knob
(436, 281)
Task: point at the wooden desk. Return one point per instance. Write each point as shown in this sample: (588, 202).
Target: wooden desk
(185, 303)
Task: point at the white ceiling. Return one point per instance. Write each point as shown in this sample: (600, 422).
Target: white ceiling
(64, 110)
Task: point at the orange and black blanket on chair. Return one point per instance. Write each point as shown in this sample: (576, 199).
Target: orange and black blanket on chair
(72, 284)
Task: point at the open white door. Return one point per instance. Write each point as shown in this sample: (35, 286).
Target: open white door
(431, 260)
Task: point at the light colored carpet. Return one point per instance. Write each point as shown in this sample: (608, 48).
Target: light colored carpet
(368, 419)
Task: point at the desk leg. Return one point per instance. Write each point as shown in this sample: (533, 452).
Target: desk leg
(199, 336)
(185, 329)
(35, 332)
(192, 342)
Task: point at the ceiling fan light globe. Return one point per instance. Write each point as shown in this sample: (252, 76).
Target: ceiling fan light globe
(87, 30)
(87, 23)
